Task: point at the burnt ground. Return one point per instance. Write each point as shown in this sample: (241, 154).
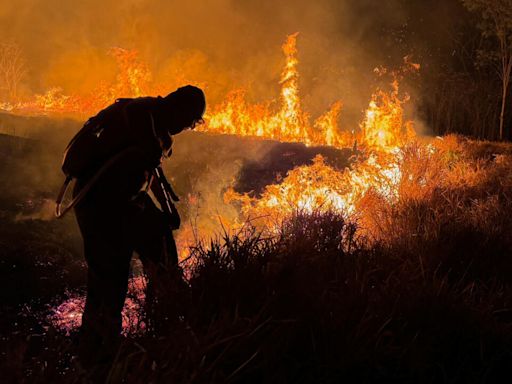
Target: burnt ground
(281, 158)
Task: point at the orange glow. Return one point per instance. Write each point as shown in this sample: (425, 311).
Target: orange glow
(289, 122)
(379, 136)
(383, 126)
(281, 119)
(320, 187)
(133, 80)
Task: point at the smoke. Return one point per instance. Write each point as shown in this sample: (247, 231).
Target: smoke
(219, 44)
(202, 168)
(45, 211)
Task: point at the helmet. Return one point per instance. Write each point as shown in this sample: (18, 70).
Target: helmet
(189, 102)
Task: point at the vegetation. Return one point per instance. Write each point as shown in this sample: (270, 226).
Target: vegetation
(496, 23)
(428, 300)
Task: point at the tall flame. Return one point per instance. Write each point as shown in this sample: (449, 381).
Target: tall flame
(292, 120)
(383, 126)
(289, 122)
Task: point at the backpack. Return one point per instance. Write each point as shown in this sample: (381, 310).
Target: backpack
(88, 148)
(90, 153)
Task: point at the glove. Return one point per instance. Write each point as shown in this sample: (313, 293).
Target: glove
(173, 218)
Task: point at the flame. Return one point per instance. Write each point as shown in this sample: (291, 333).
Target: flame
(134, 76)
(289, 122)
(383, 126)
(292, 119)
(133, 80)
(328, 132)
(321, 187)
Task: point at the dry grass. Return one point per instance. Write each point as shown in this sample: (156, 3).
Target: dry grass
(418, 291)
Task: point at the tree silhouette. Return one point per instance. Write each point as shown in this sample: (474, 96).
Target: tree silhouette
(12, 70)
(496, 23)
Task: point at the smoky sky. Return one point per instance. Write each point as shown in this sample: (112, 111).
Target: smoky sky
(223, 44)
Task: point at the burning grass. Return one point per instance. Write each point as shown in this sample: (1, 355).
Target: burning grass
(453, 179)
(425, 298)
(416, 289)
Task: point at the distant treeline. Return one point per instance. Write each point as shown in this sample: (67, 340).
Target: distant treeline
(462, 103)
(459, 88)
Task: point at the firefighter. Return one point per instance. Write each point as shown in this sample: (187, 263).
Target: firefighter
(117, 216)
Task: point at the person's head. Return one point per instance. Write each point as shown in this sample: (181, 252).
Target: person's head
(183, 109)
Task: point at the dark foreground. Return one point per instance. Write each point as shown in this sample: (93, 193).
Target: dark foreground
(314, 305)
(430, 302)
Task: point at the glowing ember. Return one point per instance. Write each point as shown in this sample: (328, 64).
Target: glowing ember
(68, 315)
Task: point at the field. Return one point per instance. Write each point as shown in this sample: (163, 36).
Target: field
(417, 290)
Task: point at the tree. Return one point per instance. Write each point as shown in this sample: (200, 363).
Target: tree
(12, 69)
(496, 24)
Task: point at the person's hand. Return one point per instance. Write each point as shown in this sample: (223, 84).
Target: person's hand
(174, 219)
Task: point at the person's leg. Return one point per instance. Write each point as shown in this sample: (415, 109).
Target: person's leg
(108, 259)
(157, 250)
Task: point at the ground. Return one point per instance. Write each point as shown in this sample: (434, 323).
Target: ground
(426, 298)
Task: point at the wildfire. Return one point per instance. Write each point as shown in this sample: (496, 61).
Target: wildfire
(289, 122)
(320, 187)
(383, 127)
(280, 119)
(380, 134)
(376, 172)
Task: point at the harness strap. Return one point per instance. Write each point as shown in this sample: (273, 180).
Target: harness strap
(60, 213)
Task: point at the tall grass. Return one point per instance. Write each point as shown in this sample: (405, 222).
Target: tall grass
(316, 304)
(415, 291)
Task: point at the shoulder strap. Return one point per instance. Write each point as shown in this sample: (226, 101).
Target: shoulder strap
(60, 213)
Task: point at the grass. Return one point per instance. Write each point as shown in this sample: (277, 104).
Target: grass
(415, 291)
(317, 306)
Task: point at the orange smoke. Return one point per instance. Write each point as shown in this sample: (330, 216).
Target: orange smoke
(381, 133)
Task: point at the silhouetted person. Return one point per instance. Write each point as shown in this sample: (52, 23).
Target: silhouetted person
(116, 216)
